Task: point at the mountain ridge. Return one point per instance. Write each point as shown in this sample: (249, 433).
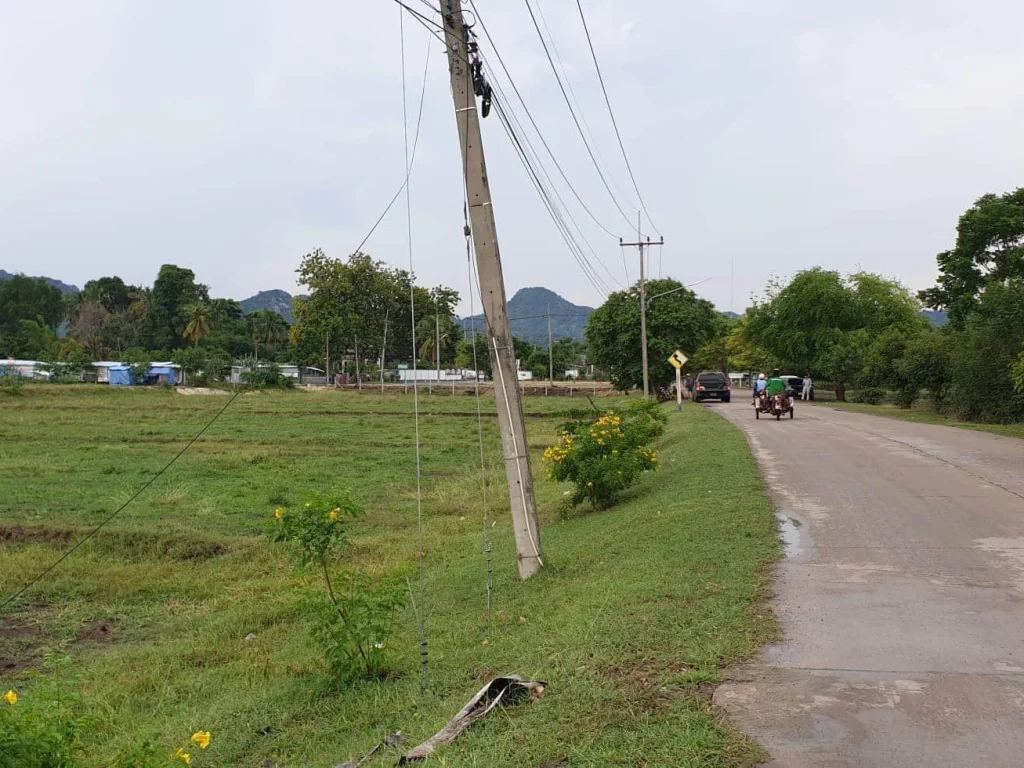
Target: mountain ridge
(65, 288)
(528, 310)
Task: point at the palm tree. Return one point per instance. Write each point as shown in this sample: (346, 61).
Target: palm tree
(266, 327)
(198, 327)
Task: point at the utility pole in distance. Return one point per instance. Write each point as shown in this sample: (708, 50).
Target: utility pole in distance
(551, 359)
(464, 82)
(641, 244)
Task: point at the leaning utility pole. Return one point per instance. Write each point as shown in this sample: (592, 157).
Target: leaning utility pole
(467, 82)
(641, 244)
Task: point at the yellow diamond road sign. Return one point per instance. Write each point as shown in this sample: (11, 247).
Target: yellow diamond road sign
(678, 359)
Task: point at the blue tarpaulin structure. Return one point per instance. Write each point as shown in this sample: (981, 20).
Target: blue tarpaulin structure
(120, 376)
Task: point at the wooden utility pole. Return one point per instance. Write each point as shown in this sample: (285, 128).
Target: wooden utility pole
(551, 359)
(492, 293)
(641, 244)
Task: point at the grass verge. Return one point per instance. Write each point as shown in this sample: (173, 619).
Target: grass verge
(924, 415)
(634, 618)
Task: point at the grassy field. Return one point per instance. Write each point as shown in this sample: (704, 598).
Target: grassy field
(925, 415)
(637, 612)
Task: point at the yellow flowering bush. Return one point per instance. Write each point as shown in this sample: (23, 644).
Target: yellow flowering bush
(40, 725)
(605, 456)
(353, 617)
(145, 754)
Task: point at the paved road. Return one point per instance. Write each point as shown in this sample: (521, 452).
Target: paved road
(901, 596)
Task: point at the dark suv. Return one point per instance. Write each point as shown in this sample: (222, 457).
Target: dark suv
(712, 384)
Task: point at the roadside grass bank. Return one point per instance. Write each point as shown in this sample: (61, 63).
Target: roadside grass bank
(638, 611)
(925, 415)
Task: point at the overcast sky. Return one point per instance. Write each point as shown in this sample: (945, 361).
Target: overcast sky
(232, 137)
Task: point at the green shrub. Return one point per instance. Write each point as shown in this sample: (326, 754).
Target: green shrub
(353, 617)
(41, 727)
(869, 395)
(906, 396)
(11, 382)
(267, 377)
(603, 457)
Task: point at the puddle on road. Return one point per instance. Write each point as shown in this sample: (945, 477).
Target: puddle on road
(794, 535)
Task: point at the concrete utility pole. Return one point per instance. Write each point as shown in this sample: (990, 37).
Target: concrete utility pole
(464, 83)
(551, 359)
(641, 244)
(359, 379)
(383, 348)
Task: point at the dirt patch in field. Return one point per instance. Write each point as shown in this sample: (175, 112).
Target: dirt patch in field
(96, 631)
(19, 643)
(21, 533)
(130, 545)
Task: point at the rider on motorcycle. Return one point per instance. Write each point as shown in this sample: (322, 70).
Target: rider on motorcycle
(759, 386)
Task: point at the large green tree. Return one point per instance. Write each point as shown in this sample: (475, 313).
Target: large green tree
(354, 299)
(824, 324)
(983, 356)
(175, 289)
(677, 319)
(30, 311)
(989, 249)
(111, 292)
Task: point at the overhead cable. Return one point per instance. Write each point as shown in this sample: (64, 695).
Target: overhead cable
(575, 119)
(615, 123)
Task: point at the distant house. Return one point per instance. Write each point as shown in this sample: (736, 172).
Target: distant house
(28, 369)
(430, 374)
(288, 370)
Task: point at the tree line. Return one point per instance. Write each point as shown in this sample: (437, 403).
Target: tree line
(355, 307)
(860, 331)
(175, 319)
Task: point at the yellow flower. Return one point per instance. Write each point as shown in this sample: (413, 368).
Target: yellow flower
(184, 756)
(11, 698)
(309, 504)
(202, 738)
(278, 513)
(334, 513)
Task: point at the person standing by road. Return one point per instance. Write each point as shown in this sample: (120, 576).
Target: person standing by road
(688, 386)
(808, 385)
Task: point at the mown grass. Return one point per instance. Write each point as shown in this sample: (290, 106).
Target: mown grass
(639, 608)
(925, 415)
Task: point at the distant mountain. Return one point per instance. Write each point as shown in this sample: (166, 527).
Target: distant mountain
(64, 287)
(527, 310)
(937, 317)
(278, 301)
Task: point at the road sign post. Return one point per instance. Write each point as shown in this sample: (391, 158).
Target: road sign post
(677, 360)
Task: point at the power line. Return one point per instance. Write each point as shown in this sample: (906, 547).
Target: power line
(536, 162)
(581, 258)
(572, 112)
(415, 143)
(118, 511)
(611, 114)
(420, 555)
(420, 16)
(533, 122)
